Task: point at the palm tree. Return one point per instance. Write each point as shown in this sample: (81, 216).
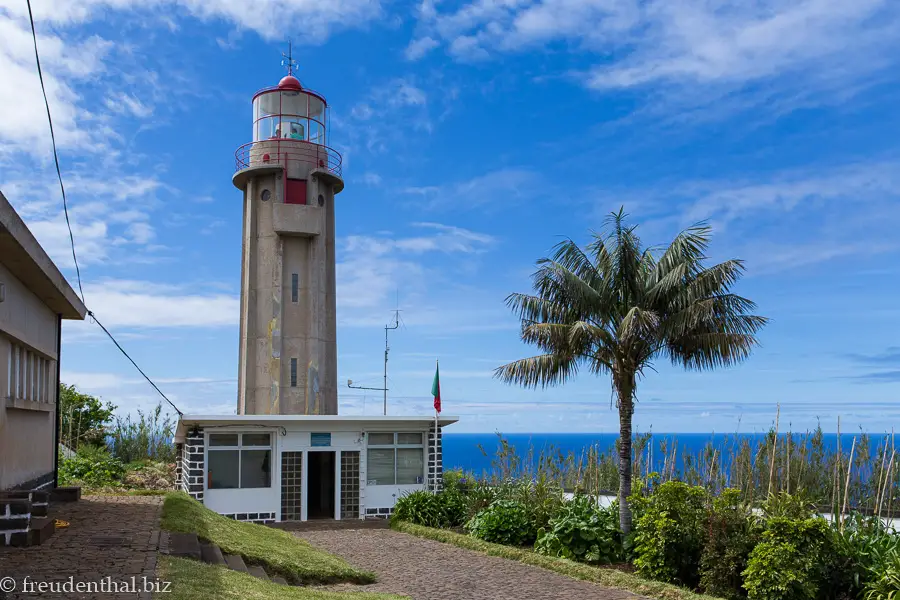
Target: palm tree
(616, 307)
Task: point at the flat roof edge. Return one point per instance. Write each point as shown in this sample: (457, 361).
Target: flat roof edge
(71, 306)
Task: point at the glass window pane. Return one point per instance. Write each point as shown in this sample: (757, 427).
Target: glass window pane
(316, 109)
(410, 465)
(223, 439)
(409, 438)
(381, 439)
(257, 439)
(380, 466)
(223, 469)
(293, 103)
(256, 468)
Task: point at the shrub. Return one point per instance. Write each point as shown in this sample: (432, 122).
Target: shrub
(732, 534)
(456, 510)
(884, 577)
(858, 550)
(788, 563)
(150, 475)
(476, 495)
(147, 438)
(584, 532)
(795, 506)
(92, 466)
(503, 522)
(670, 533)
(422, 508)
(541, 497)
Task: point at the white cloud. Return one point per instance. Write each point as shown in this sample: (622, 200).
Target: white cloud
(847, 210)
(420, 47)
(104, 213)
(491, 189)
(271, 19)
(146, 304)
(807, 45)
(372, 179)
(371, 269)
(23, 118)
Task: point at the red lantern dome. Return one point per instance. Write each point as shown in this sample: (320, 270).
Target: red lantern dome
(289, 82)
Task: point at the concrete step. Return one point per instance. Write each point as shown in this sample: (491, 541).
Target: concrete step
(65, 494)
(41, 530)
(279, 580)
(210, 553)
(235, 563)
(185, 545)
(258, 571)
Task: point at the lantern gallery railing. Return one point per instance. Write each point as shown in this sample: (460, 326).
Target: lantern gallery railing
(264, 152)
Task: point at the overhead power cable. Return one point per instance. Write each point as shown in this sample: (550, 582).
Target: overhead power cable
(62, 189)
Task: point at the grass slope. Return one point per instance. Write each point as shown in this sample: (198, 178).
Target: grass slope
(607, 577)
(193, 580)
(279, 551)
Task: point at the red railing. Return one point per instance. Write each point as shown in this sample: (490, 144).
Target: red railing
(276, 151)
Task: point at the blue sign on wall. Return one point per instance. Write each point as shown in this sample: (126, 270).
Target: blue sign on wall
(321, 439)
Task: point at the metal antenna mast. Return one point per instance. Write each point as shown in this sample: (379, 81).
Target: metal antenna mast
(386, 350)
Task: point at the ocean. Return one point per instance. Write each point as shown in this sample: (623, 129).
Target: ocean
(461, 450)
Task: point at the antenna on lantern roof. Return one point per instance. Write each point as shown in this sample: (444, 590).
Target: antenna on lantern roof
(287, 60)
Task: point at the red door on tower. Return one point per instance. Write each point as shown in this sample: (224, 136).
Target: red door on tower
(295, 192)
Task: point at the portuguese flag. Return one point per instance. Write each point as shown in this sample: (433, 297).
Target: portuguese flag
(436, 389)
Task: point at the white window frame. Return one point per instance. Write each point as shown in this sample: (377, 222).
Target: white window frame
(240, 448)
(395, 446)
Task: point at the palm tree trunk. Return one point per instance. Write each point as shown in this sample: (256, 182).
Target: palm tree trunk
(625, 391)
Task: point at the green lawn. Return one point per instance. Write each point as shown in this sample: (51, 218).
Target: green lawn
(608, 577)
(193, 580)
(278, 551)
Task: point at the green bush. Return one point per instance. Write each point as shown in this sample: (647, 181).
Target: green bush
(732, 533)
(422, 508)
(444, 509)
(859, 549)
(584, 532)
(789, 562)
(670, 533)
(884, 577)
(503, 522)
(456, 509)
(478, 496)
(91, 466)
(796, 506)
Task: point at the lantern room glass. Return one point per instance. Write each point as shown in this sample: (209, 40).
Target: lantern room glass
(288, 114)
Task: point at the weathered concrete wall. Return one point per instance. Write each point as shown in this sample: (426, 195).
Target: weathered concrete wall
(23, 316)
(27, 418)
(281, 240)
(26, 445)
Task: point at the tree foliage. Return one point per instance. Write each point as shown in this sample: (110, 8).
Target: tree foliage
(616, 306)
(83, 418)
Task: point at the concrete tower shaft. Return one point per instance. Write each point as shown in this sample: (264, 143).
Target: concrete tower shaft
(288, 327)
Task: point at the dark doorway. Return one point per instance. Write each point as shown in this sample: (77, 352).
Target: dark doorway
(320, 488)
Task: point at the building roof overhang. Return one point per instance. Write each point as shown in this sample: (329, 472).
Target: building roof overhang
(24, 257)
(187, 422)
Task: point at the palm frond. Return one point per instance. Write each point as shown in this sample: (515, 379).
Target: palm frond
(538, 371)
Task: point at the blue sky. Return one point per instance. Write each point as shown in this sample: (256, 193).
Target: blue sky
(476, 134)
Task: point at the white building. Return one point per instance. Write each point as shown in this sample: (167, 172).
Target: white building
(269, 468)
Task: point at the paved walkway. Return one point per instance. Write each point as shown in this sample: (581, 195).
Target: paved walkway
(114, 537)
(428, 570)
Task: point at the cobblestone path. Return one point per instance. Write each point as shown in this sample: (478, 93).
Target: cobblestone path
(429, 570)
(115, 537)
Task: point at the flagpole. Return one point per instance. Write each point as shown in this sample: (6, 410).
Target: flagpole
(434, 486)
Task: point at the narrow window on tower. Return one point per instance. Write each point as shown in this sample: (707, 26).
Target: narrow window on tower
(295, 287)
(293, 372)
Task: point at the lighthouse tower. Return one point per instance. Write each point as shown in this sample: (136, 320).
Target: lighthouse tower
(289, 176)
